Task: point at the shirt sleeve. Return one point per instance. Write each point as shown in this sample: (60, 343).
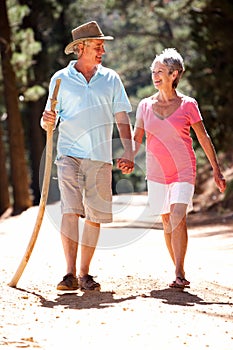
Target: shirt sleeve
(120, 99)
(194, 112)
(139, 112)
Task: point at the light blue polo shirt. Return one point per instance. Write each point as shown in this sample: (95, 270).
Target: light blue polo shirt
(86, 112)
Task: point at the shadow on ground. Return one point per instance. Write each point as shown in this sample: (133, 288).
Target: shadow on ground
(106, 299)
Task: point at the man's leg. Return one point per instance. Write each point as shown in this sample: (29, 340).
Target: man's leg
(89, 241)
(90, 238)
(69, 237)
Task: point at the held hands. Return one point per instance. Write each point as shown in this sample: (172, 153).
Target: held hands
(125, 163)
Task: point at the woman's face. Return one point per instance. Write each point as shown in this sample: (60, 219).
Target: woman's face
(161, 77)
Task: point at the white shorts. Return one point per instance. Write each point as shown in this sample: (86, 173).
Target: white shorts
(162, 196)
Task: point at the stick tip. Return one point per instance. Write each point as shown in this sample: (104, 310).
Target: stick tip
(11, 284)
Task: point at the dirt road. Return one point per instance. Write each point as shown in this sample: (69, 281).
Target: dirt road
(135, 307)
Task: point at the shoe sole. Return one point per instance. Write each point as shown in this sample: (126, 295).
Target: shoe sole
(97, 289)
(66, 288)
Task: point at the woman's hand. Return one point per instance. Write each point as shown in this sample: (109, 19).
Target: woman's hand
(220, 181)
(126, 163)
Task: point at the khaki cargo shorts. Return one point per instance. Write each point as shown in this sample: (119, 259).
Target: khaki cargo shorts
(86, 188)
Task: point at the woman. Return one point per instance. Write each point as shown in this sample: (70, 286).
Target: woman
(166, 118)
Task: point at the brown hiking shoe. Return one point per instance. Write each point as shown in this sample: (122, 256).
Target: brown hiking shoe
(69, 282)
(87, 283)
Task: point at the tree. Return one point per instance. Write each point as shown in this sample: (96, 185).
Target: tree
(46, 20)
(212, 25)
(19, 171)
(199, 29)
(4, 183)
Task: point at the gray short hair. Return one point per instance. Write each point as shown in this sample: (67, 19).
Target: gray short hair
(173, 60)
(76, 49)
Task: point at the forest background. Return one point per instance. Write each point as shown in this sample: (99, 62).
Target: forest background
(33, 35)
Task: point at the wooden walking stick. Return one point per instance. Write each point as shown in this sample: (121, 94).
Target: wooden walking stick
(44, 192)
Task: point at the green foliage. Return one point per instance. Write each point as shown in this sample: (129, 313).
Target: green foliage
(24, 46)
(34, 93)
(16, 13)
(212, 67)
(24, 49)
(199, 29)
(142, 30)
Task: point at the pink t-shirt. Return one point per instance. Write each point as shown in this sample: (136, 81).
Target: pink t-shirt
(169, 152)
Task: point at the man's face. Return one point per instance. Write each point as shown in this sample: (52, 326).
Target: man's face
(93, 50)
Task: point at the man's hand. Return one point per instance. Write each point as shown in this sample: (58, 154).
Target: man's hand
(48, 117)
(125, 163)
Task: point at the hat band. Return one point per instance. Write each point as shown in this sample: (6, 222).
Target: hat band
(90, 36)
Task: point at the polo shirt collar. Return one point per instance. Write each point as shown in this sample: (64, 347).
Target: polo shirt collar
(74, 71)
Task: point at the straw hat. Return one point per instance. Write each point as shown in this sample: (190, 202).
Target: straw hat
(90, 30)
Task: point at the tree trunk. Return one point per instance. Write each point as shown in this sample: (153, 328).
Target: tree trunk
(4, 184)
(19, 172)
(36, 144)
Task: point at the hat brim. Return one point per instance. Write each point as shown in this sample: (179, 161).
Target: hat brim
(69, 47)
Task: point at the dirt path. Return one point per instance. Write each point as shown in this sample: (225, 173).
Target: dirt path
(135, 307)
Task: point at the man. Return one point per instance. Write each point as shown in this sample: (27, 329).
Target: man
(90, 98)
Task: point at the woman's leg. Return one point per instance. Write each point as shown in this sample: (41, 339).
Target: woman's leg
(168, 234)
(177, 239)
